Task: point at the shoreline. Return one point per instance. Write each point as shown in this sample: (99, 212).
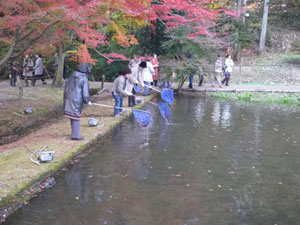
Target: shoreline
(22, 179)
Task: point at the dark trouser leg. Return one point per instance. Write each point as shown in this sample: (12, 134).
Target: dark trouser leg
(201, 80)
(130, 104)
(191, 77)
(227, 75)
(75, 125)
(133, 100)
(155, 83)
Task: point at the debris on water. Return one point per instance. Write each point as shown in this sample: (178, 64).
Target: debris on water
(209, 171)
(279, 182)
(192, 163)
(210, 190)
(192, 221)
(253, 167)
(275, 129)
(77, 198)
(231, 189)
(165, 150)
(286, 153)
(178, 175)
(169, 167)
(49, 183)
(258, 174)
(231, 172)
(188, 185)
(219, 186)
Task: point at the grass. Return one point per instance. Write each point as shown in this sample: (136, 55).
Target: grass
(275, 98)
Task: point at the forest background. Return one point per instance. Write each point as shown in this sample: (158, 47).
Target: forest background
(184, 34)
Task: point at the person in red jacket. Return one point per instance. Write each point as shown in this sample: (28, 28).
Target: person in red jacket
(155, 63)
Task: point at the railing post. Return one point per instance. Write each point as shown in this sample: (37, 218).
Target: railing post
(102, 81)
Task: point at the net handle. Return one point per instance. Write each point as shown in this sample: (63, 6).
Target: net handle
(111, 106)
(153, 88)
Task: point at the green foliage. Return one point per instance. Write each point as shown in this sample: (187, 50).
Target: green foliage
(182, 55)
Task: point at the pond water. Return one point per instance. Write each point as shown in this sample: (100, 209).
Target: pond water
(217, 163)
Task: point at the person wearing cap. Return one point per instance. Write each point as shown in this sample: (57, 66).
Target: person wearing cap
(119, 90)
(76, 93)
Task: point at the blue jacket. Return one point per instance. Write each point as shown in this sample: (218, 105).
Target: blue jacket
(75, 94)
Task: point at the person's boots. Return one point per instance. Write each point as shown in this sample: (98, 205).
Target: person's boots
(130, 101)
(133, 101)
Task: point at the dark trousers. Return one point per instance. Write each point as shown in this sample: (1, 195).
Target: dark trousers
(75, 126)
(191, 78)
(226, 79)
(201, 78)
(13, 79)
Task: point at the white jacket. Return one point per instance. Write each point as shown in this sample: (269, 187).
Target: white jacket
(229, 65)
(147, 72)
(131, 81)
(135, 70)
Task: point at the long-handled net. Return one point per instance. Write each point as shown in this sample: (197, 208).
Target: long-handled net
(166, 94)
(164, 110)
(137, 89)
(142, 117)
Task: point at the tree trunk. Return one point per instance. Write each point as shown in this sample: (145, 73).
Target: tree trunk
(58, 79)
(236, 44)
(244, 6)
(263, 34)
(10, 50)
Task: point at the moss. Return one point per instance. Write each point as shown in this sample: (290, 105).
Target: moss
(285, 99)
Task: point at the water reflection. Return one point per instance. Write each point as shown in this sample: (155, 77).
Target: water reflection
(222, 163)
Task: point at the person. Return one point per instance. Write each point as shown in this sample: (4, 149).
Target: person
(130, 83)
(134, 67)
(155, 63)
(76, 93)
(28, 65)
(191, 76)
(146, 71)
(38, 68)
(228, 67)
(13, 71)
(118, 90)
(218, 71)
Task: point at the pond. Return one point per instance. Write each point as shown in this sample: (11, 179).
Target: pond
(217, 162)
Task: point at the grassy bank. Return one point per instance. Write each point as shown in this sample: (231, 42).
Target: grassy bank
(277, 98)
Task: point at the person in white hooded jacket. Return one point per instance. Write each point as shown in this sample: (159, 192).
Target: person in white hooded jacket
(228, 68)
(146, 70)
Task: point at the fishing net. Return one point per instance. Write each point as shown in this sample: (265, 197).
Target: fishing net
(142, 117)
(164, 110)
(167, 95)
(137, 89)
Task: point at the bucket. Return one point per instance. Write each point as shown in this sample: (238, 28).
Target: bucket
(92, 122)
(138, 100)
(28, 110)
